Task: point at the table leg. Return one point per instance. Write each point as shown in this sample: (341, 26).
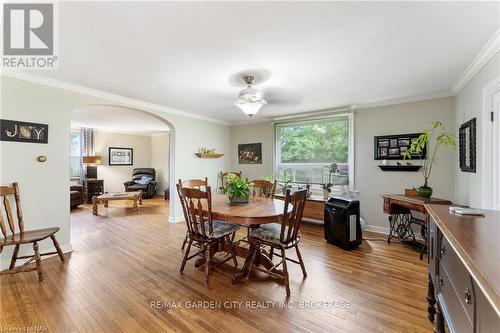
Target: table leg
(261, 258)
(245, 270)
(136, 208)
(94, 205)
(106, 203)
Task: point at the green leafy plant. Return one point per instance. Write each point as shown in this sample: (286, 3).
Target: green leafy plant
(287, 180)
(236, 187)
(327, 187)
(433, 138)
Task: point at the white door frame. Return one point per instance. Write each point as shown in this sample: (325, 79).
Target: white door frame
(489, 191)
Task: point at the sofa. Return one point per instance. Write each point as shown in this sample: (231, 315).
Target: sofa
(76, 195)
(148, 189)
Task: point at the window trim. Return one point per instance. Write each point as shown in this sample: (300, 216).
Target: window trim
(350, 148)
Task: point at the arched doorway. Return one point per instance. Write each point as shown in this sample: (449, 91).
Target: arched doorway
(123, 120)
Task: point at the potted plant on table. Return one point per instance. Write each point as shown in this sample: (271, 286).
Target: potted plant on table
(433, 138)
(236, 188)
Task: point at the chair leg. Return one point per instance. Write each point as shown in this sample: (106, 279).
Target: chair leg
(233, 251)
(14, 257)
(301, 261)
(184, 243)
(186, 255)
(38, 261)
(58, 248)
(252, 259)
(271, 253)
(285, 272)
(207, 263)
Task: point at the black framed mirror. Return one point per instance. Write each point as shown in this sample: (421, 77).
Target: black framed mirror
(467, 146)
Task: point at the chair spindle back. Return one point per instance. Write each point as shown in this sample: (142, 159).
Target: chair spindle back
(291, 221)
(198, 222)
(5, 192)
(263, 188)
(194, 183)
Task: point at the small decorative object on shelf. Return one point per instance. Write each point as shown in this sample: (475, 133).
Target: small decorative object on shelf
(236, 188)
(431, 138)
(207, 153)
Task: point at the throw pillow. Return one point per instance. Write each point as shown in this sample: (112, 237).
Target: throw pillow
(145, 180)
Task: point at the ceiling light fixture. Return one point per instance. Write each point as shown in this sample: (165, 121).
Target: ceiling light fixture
(250, 101)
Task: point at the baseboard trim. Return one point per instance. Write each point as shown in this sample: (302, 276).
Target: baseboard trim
(173, 219)
(385, 230)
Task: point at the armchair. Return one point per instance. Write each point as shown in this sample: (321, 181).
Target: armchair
(149, 190)
(77, 195)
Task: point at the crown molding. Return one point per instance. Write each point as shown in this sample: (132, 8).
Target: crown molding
(402, 100)
(486, 53)
(138, 104)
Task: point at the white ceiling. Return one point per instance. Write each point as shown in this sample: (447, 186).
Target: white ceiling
(317, 56)
(117, 120)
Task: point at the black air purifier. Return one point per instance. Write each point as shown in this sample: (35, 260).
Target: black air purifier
(342, 226)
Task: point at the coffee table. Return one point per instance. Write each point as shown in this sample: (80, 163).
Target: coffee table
(105, 198)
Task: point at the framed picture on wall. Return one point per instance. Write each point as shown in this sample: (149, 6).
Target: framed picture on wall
(121, 156)
(392, 147)
(250, 153)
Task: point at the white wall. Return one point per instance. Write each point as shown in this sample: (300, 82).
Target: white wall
(469, 104)
(159, 160)
(399, 119)
(45, 186)
(115, 176)
(370, 180)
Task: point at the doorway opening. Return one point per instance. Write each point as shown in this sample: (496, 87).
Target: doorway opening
(491, 147)
(118, 151)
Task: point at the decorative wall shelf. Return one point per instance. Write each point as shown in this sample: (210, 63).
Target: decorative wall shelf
(399, 167)
(201, 155)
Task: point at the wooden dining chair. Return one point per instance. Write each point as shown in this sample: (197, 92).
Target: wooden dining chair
(17, 239)
(222, 178)
(203, 229)
(195, 183)
(263, 188)
(282, 237)
(192, 183)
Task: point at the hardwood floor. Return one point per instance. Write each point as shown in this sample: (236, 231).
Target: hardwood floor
(124, 261)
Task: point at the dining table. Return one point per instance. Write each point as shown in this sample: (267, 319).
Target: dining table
(258, 211)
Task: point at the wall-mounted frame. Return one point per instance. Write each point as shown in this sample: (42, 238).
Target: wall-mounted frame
(250, 153)
(392, 147)
(20, 131)
(121, 156)
(467, 146)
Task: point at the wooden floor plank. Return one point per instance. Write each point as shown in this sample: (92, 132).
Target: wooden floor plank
(124, 260)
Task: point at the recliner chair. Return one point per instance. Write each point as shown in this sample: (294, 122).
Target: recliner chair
(148, 190)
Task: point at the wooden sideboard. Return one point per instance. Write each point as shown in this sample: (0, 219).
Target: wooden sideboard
(464, 270)
(314, 208)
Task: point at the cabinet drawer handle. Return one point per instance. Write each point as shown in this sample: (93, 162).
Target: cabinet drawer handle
(467, 296)
(440, 281)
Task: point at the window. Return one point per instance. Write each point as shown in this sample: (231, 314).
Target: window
(305, 148)
(75, 155)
